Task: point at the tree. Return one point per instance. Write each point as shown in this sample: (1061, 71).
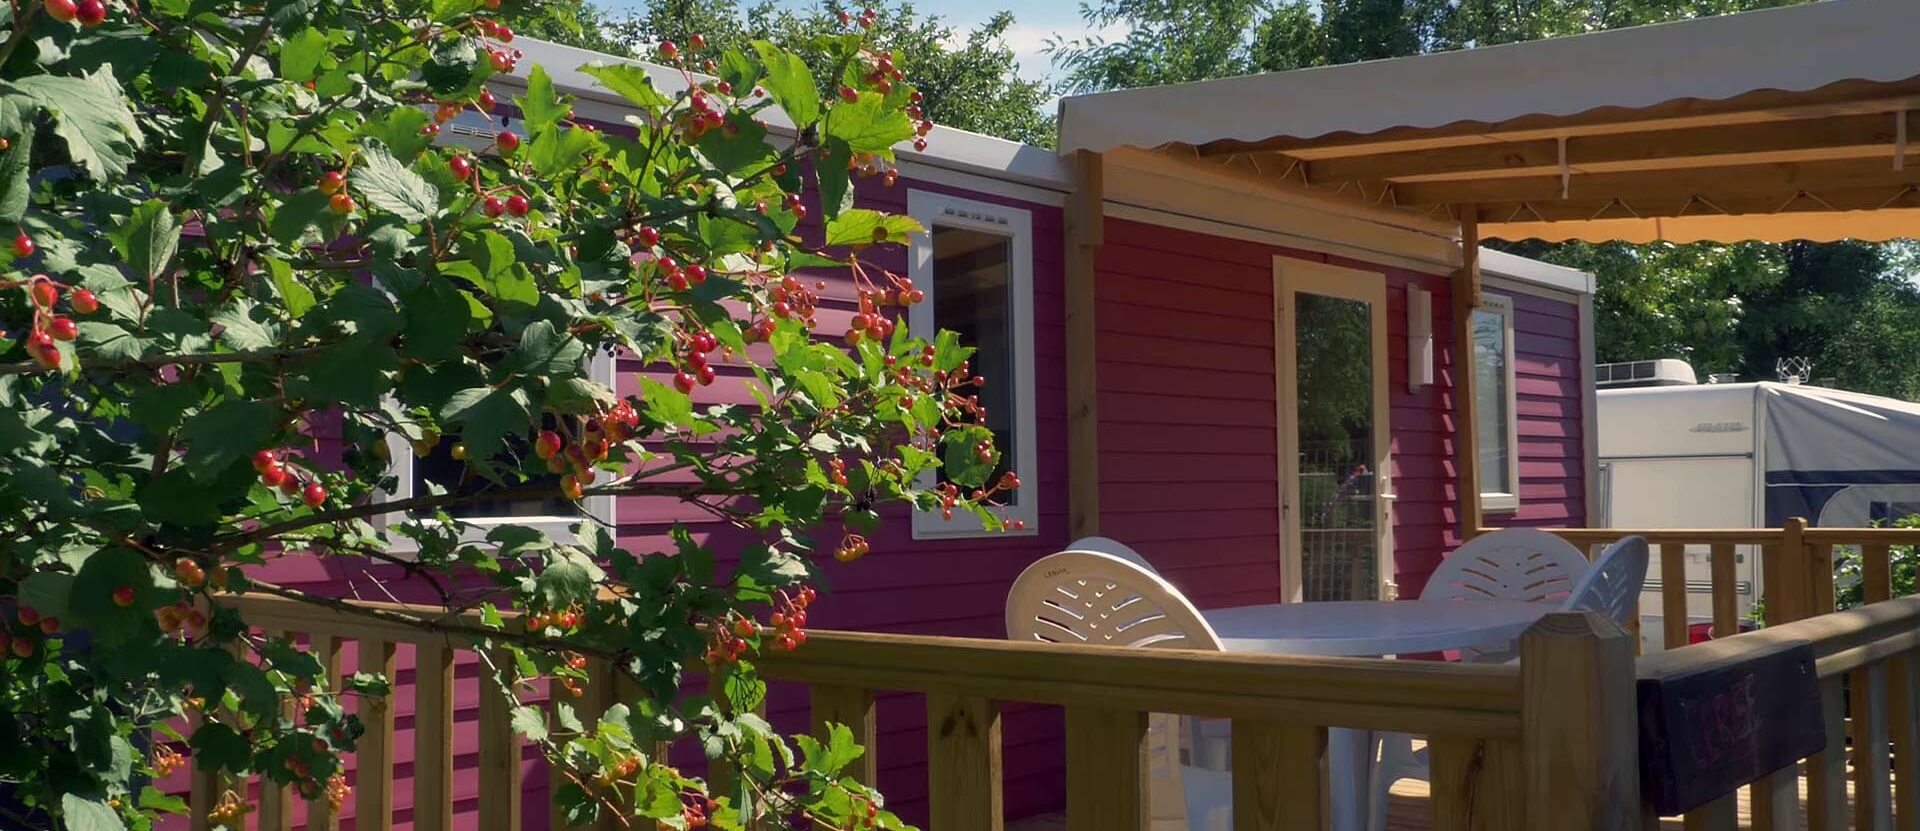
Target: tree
(970, 80)
(237, 230)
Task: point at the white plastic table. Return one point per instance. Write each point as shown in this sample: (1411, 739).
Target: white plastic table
(1367, 628)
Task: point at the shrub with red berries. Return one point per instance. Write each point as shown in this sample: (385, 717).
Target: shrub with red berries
(250, 269)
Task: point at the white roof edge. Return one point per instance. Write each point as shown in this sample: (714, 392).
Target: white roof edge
(1794, 48)
(1527, 270)
(947, 147)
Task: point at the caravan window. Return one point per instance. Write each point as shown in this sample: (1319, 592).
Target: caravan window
(1494, 400)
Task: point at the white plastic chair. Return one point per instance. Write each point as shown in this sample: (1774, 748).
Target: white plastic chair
(1614, 583)
(1094, 598)
(1108, 545)
(1510, 564)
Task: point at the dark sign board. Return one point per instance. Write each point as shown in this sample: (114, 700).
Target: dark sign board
(1711, 728)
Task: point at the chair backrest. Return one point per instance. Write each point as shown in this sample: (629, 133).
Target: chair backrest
(1108, 545)
(1102, 599)
(1613, 584)
(1510, 564)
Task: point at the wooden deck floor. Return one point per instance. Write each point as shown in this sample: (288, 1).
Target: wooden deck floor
(1408, 812)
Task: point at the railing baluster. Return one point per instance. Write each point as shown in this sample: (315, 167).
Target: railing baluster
(1477, 784)
(1673, 594)
(1876, 572)
(1903, 722)
(326, 649)
(203, 787)
(274, 813)
(963, 762)
(433, 717)
(1722, 814)
(499, 754)
(373, 775)
(853, 707)
(1872, 788)
(1107, 769)
(1820, 579)
(1726, 591)
(1276, 777)
(1578, 731)
(1827, 770)
(1776, 800)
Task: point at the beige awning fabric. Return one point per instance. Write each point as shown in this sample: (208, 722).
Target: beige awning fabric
(1782, 124)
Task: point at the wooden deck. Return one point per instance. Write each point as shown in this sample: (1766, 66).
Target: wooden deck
(1408, 811)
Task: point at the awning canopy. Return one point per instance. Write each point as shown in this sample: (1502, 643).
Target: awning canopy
(1782, 124)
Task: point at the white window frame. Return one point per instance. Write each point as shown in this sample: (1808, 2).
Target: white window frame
(1016, 224)
(601, 368)
(1497, 501)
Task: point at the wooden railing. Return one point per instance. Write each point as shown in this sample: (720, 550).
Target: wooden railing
(1866, 662)
(1796, 568)
(1548, 743)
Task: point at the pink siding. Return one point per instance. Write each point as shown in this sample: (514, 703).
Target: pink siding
(1187, 430)
(1548, 379)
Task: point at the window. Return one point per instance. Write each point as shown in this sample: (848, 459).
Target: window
(1493, 399)
(555, 516)
(975, 265)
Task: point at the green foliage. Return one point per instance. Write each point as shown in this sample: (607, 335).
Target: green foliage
(275, 246)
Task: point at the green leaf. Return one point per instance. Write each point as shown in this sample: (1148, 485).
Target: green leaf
(297, 297)
(541, 108)
(664, 404)
(217, 746)
(242, 332)
(437, 318)
(962, 461)
(83, 814)
(544, 350)
(148, 238)
(110, 342)
(300, 55)
(568, 577)
(836, 189)
(296, 213)
(859, 227)
(355, 373)
(486, 414)
(90, 601)
(867, 126)
(91, 114)
(218, 438)
(790, 83)
(629, 81)
(553, 151)
(16, 186)
(388, 185)
(46, 592)
(401, 132)
(528, 722)
(154, 799)
(452, 68)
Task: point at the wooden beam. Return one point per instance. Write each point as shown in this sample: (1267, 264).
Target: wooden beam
(1758, 107)
(1778, 182)
(1086, 226)
(1466, 434)
(1705, 204)
(1580, 739)
(1846, 137)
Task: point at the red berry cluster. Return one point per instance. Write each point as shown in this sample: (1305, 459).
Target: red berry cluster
(573, 686)
(694, 812)
(515, 205)
(333, 183)
(180, 621)
(621, 769)
(90, 13)
(50, 327)
(276, 472)
(504, 60)
(575, 459)
(789, 619)
(701, 116)
(852, 547)
(165, 760)
(872, 320)
(694, 366)
(22, 637)
(867, 18)
(566, 620)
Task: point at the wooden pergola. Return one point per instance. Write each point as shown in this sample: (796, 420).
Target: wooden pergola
(1785, 124)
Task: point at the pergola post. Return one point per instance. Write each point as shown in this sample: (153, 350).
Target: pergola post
(1466, 433)
(1086, 223)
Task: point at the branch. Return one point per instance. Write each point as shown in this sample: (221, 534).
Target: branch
(256, 356)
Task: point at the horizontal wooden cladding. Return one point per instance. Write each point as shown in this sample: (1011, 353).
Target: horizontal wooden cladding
(1842, 641)
(1404, 696)
(1841, 137)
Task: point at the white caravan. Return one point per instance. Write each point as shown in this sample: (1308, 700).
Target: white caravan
(1684, 455)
